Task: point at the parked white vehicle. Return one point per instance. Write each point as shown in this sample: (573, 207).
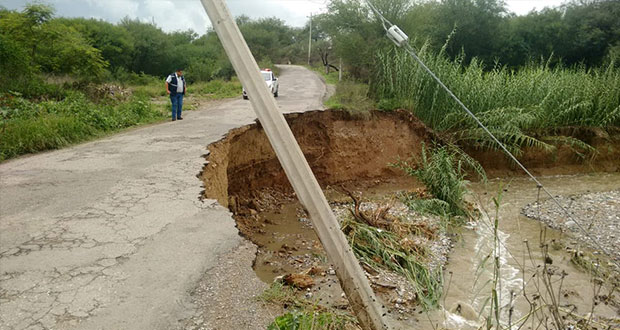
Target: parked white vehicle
(270, 80)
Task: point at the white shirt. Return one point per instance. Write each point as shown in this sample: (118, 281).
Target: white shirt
(179, 82)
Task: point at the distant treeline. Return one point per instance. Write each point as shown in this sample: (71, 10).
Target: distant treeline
(33, 41)
(581, 32)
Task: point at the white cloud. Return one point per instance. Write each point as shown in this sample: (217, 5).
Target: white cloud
(522, 7)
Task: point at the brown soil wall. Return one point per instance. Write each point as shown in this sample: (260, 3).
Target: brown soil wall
(343, 148)
(564, 160)
(339, 148)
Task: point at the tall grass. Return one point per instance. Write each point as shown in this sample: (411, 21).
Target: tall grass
(351, 97)
(516, 105)
(442, 170)
(28, 127)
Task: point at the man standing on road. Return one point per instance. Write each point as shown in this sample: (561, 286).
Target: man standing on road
(175, 86)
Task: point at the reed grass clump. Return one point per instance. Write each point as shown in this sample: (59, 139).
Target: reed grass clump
(516, 105)
(442, 170)
(380, 248)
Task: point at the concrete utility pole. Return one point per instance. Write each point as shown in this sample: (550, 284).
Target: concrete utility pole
(348, 270)
(310, 40)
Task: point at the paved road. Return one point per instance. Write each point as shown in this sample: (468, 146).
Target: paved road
(111, 234)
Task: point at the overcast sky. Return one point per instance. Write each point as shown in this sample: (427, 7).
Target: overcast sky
(173, 15)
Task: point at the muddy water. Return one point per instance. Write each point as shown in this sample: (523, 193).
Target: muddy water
(288, 233)
(468, 279)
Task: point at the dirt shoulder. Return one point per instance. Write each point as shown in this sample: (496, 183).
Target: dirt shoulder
(228, 295)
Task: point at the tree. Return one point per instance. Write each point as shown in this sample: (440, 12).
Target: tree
(114, 42)
(52, 47)
(153, 50)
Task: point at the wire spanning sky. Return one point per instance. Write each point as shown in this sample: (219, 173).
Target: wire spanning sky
(172, 15)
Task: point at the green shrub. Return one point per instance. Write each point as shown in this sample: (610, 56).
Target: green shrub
(28, 127)
(309, 321)
(442, 171)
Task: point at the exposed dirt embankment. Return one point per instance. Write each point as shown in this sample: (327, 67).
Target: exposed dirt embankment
(338, 147)
(565, 159)
(343, 148)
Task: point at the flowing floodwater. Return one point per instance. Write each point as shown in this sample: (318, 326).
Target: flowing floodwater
(470, 271)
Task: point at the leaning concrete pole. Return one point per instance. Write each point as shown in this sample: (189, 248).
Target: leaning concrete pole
(349, 272)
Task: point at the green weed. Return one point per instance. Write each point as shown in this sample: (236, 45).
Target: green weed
(306, 315)
(351, 97)
(381, 248)
(28, 127)
(442, 170)
(310, 321)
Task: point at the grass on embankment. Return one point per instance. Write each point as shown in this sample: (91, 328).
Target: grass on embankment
(29, 126)
(212, 90)
(521, 107)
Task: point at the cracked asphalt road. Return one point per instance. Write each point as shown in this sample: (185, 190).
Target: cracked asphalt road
(111, 234)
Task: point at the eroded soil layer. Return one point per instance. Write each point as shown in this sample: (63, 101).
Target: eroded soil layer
(338, 147)
(344, 148)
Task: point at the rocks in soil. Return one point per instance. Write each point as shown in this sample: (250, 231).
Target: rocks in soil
(301, 281)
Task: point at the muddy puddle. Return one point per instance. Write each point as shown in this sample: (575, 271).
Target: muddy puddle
(243, 174)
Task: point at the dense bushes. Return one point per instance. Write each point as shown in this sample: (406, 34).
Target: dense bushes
(30, 127)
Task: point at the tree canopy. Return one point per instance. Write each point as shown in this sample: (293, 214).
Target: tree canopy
(582, 32)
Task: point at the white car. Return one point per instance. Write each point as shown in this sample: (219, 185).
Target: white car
(270, 80)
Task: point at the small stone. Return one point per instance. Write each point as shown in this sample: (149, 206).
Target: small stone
(301, 281)
(570, 224)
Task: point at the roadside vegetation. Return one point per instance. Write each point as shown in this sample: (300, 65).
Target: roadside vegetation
(36, 126)
(75, 79)
(523, 108)
(303, 314)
